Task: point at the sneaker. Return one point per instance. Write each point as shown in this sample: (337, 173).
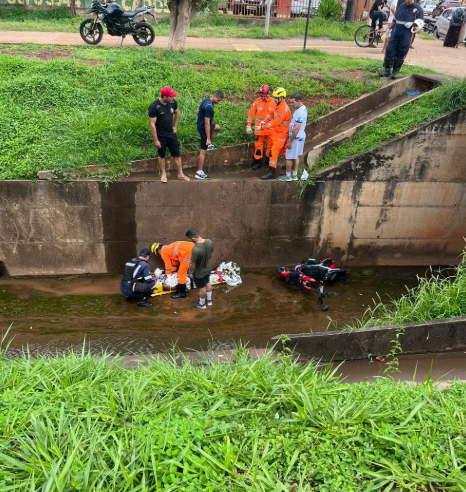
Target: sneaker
(199, 306)
(285, 178)
(294, 177)
(201, 175)
(144, 303)
(211, 147)
(209, 303)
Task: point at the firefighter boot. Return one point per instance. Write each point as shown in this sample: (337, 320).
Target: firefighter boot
(181, 293)
(387, 64)
(270, 175)
(144, 302)
(396, 67)
(257, 163)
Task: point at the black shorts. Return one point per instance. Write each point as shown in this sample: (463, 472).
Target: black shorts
(203, 135)
(201, 282)
(170, 142)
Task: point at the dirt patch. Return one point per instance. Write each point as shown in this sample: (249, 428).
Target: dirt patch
(333, 101)
(358, 75)
(48, 55)
(199, 67)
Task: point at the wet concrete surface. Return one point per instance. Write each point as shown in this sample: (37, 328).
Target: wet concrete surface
(54, 314)
(440, 368)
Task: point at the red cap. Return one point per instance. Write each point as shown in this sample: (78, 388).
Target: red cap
(168, 92)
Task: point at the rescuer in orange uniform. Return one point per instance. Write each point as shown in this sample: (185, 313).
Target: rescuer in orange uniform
(278, 128)
(262, 110)
(176, 256)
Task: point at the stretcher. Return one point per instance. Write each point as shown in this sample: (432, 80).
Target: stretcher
(226, 273)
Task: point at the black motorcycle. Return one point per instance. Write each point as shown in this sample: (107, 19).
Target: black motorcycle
(118, 23)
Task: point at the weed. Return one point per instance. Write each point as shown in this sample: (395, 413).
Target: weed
(393, 364)
(92, 114)
(438, 102)
(84, 423)
(439, 296)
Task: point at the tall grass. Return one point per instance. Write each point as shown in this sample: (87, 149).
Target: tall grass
(88, 114)
(80, 423)
(440, 295)
(440, 101)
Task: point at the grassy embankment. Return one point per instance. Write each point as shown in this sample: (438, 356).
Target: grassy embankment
(440, 101)
(18, 18)
(438, 296)
(88, 105)
(79, 423)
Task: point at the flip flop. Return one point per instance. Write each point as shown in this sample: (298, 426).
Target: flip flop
(183, 178)
(163, 179)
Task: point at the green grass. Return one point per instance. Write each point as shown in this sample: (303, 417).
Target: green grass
(65, 113)
(438, 296)
(19, 18)
(446, 98)
(80, 423)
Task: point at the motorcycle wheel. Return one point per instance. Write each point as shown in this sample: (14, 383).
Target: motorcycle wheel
(145, 34)
(89, 33)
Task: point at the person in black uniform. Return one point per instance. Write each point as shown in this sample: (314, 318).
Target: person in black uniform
(377, 14)
(137, 281)
(409, 18)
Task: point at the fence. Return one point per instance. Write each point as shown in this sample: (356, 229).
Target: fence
(246, 8)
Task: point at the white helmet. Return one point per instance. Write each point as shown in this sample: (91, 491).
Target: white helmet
(418, 24)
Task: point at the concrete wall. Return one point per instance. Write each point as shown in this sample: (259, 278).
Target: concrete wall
(403, 204)
(430, 337)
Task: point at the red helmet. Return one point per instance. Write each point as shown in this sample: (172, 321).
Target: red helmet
(264, 90)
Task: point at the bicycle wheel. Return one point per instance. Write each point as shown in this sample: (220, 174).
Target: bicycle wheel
(364, 36)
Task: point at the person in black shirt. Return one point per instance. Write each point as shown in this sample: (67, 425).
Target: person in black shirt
(377, 14)
(163, 117)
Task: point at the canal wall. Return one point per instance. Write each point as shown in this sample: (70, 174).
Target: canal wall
(402, 204)
(446, 335)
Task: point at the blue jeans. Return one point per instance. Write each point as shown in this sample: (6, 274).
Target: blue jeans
(374, 16)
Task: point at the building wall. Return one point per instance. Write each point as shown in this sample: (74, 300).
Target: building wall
(402, 204)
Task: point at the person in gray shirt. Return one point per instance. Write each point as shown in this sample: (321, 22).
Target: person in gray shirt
(200, 267)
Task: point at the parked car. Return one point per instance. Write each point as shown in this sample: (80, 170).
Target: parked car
(300, 7)
(254, 7)
(447, 4)
(443, 23)
(428, 6)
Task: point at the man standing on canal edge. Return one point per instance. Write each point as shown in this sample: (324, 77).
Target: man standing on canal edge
(137, 281)
(200, 267)
(163, 117)
(206, 128)
(296, 138)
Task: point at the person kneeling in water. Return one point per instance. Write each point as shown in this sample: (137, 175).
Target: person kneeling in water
(137, 281)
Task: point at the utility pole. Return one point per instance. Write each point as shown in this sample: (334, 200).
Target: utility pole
(267, 17)
(307, 23)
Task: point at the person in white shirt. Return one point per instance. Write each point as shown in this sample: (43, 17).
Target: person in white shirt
(296, 138)
(391, 4)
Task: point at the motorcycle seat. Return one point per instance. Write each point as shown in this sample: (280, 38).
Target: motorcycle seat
(130, 15)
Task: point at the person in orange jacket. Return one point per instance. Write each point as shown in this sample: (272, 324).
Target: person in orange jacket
(176, 257)
(278, 128)
(262, 110)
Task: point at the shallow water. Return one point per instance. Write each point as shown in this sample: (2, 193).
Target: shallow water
(55, 314)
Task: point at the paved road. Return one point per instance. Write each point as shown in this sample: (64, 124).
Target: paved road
(427, 53)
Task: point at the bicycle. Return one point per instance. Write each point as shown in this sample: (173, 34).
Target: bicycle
(365, 36)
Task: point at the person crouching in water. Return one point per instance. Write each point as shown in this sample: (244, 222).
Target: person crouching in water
(137, 281)
(176, 258)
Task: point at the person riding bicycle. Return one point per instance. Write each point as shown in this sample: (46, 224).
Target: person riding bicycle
(377, 14)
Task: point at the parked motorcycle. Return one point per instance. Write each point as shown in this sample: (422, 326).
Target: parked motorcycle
(118, 23)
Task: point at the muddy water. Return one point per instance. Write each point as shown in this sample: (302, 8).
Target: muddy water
(50, 314)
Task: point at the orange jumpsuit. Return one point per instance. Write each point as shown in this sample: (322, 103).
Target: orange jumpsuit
(177, 256)
(278, 128)
(261, 111)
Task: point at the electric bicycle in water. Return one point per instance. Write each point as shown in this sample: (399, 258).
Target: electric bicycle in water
(118, 23)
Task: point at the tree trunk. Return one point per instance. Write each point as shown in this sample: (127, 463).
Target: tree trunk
(182, 12)
(73, 8)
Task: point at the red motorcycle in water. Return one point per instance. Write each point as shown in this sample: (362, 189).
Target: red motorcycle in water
(311, 275)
